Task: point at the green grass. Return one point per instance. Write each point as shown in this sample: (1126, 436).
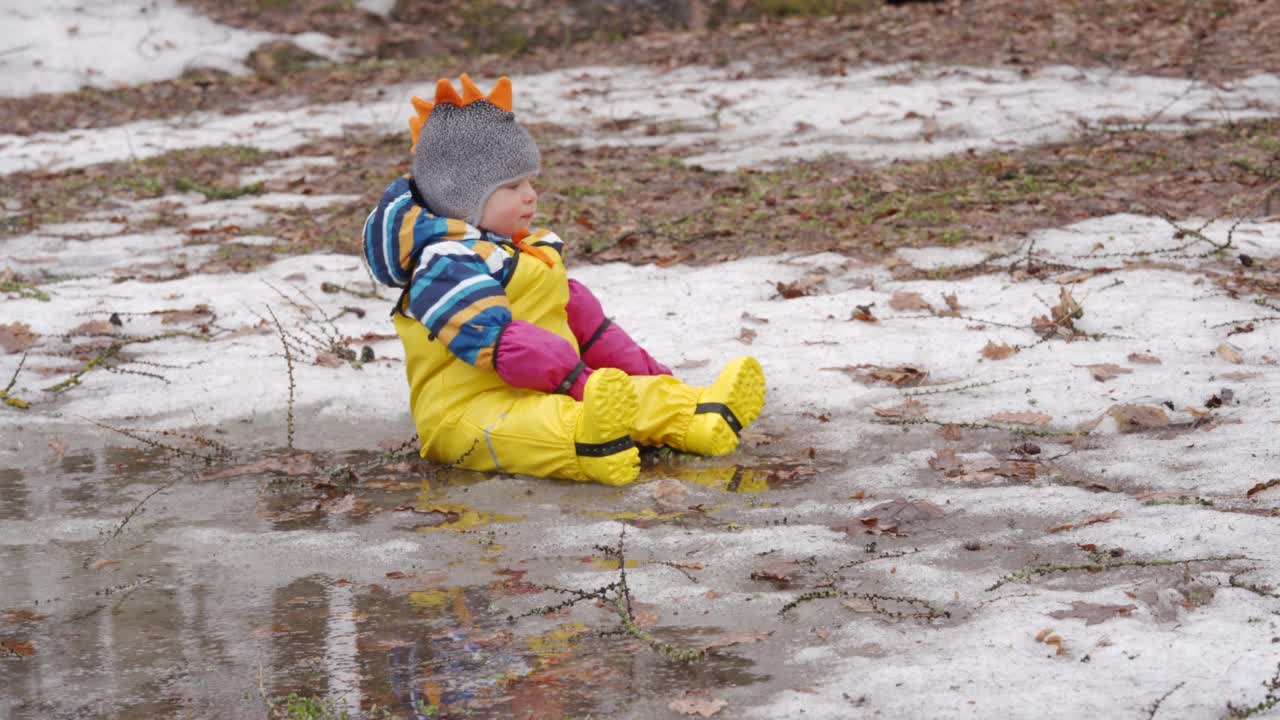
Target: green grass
(215, 192)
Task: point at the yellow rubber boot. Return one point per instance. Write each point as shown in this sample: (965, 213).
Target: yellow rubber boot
(602, 436)
(730, 404)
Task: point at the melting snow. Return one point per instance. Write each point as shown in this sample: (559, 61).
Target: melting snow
(64, 45)
(874, 114)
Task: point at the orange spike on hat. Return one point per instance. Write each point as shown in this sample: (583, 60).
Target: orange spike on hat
(423, 107)
(470, 93)
(416, 122)
(446, 94)
(500, 95)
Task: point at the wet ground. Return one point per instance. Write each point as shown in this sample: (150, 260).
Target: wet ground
(140, 584)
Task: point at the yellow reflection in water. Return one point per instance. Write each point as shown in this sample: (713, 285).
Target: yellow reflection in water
(460, 517)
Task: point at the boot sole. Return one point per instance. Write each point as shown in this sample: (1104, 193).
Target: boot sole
(609, 409)
(741, 387)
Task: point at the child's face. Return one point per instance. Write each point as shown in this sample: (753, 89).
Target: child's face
(510, 208)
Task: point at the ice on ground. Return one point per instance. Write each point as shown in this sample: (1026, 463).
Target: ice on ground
(222, 367)
(816, 355)
(877, 114)
(65, 45)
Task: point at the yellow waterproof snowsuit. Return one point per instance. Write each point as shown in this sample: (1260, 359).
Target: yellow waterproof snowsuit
(470, 417)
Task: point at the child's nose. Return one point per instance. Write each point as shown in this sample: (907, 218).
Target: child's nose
(530, 196)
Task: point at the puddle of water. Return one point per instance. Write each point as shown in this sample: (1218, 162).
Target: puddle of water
(104, 616)
(744, 478)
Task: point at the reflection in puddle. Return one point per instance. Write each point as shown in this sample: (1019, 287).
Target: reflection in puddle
(737, 478)
(455, 650)
(156, 628)
(455, 516)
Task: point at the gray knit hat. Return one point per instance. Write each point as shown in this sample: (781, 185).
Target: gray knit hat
(468, 146)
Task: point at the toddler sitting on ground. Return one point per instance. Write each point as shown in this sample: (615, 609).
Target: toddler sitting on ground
(512, 366)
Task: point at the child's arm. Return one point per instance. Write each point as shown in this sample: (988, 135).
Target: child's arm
(600, 340)
(463, 306)
(451, 290)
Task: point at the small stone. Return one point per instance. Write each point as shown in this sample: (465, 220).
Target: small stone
(972, 545)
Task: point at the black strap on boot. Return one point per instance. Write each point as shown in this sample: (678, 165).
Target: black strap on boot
(616, 445)
(723, 411)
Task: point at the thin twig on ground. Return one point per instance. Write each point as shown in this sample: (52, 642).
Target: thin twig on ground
(1026, 574)
(1155, 707)
(10, 400)
(288, 359)
(221, 450)
(119, 528)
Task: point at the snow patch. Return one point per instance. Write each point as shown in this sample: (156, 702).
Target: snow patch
(877, 114)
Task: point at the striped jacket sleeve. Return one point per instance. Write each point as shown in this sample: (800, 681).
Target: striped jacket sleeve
(449, 273)
(454, 295)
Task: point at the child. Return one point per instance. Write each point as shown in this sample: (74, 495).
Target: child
(512, 366)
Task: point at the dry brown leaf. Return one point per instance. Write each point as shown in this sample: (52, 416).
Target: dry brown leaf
(669, 495)
(951, 433)
(14, 617)
(1074, 276)
(21, 648)
(697, 702)
(340, 506)
(735, 638)
(746, 335)
(754, 318)
(778, 571)
(328, 359)
(862, 313)
(645, 615)
(1133, 418)
(1093, 613)
(93, 327)
(199, 313)
(904, 300)
(908, 409)
(101, 564)
(946, 462)
(289, 465)
(260, 328)
(1143, 359)
(1240, 375)
(1105, 517)
(1025, 417)
(807, 285)
(859, 604)
(1018, 470)
(1273, 482)
(1230, 353)
(16, 337)
(887, 517)
(1103, 372)
(1061, 319)
(992, 351)
(693, 364)
(901, 375)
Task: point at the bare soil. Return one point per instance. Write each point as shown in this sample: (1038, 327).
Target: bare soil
(638, 205)
(1214, 41)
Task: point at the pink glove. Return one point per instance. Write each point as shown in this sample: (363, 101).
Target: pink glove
(604, 344)
(527, 356)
